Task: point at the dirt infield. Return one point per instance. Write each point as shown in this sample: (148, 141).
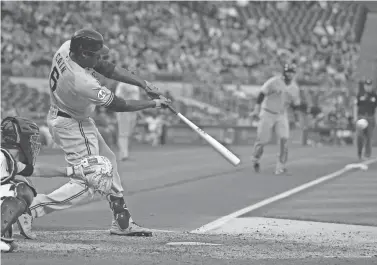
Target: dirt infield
(97, 247)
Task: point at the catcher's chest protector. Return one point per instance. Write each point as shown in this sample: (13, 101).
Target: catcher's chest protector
(8, 166)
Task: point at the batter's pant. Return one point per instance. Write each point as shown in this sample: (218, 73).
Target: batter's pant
(77, 139)
(269, 121)
(364, 137)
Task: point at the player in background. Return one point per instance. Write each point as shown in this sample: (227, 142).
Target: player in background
(19, 148)
(273, 101)
(366, 105)
(74, 92)
(126, 120)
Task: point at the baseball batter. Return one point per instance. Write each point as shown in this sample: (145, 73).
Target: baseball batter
(126, 120)
(276, 95)
(74, 93)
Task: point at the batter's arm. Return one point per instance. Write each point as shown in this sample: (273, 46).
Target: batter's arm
(124, 75)
(265, 90)
(257, 106)
(296, 103)
(121, 105)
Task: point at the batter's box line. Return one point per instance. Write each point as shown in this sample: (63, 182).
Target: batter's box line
(225, 219)
(104, 231)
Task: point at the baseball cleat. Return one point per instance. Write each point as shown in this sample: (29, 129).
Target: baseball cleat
(25, 222)
(7, 246)
(133, 230)
(281, 171)
(256, 167)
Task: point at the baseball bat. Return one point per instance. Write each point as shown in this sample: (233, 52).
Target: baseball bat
(222, 150)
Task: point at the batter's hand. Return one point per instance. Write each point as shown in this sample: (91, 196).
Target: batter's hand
(152, 91)
(162, 102)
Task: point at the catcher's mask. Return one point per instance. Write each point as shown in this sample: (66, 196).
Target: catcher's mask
(22, 134)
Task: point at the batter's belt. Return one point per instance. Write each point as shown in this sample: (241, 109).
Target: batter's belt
(272, 112)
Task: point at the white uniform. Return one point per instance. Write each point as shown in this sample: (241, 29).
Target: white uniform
(274, 115)
(274, 108)
(74, 91)
(5, 189)
(126, 120)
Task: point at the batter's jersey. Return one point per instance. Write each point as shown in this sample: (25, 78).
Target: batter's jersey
(127, 91)
(75, 90)
(279, 95)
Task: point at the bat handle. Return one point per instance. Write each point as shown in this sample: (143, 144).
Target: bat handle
(172, 109)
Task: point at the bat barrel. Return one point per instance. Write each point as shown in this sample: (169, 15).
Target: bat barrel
(226, 153)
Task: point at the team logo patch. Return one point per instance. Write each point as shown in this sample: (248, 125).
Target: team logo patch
(93, 161)
(101, 94)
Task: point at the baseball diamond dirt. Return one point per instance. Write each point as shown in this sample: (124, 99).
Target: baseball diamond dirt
(178, 189)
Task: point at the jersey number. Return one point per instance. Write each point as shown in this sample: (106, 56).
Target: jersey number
(54, 77)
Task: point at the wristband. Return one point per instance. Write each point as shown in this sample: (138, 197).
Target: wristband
(158, 103)
(70, 171)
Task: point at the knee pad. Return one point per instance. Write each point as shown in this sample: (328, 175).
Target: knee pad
(121, 214)
(24, 192)
(11, 209)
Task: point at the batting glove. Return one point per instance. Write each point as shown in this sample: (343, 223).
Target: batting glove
(152, 91)
(162, 102)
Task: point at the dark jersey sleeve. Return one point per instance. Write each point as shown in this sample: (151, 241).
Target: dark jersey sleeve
(105, 68)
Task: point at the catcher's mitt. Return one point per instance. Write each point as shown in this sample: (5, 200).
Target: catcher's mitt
(97, 172)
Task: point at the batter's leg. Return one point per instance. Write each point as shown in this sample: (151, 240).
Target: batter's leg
(264, 132)
(104, 150)
(77, 138)
(282, 132)
(62, 198)
(122, 223)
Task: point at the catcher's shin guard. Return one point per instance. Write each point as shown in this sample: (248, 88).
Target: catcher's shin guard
(13, 207)
(121, 214)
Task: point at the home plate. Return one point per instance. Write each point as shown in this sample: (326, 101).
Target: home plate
(192, 244)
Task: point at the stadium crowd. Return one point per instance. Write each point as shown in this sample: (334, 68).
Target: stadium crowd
(207, 44)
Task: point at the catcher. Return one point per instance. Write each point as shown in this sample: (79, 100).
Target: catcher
(19, 149)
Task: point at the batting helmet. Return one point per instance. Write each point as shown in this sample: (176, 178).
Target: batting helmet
(23, 134)
(289, 68)
(88, 40)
